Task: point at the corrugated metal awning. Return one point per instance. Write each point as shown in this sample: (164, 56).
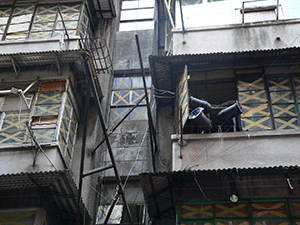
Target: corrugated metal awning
(58, 58)
(165, 68)
(158, 187)
(58, 185)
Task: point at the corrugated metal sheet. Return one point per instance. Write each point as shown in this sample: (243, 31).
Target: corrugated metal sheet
(50, 57)
(158, 187)
(58, 184)
(40, 58)
(223, 172)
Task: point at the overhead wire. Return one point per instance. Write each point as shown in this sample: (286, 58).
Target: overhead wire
(159, 93)
(97, 192)
(200, 188)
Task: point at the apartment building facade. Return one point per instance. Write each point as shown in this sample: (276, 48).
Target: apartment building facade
(228, 100)
(49, 51)
(64, 161)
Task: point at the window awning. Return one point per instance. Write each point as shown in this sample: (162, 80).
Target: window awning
(43, 186)
(162, 190)
(166, 68)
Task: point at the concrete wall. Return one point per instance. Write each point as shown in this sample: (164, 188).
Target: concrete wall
(39, 45)
(239, 149)
(130, 142)
(91, 161)
(125, 55)
(21, 160)
(131, 148)
(241, 37)
(164, 128)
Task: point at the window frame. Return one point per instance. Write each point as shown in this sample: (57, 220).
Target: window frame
(46, 117)
(83, 23)
(130, 90)
(271, 102)
(136, 23)
(291, 218)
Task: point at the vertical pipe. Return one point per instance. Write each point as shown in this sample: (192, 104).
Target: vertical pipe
(182, 20)
(269, 102)
(84, 136)
(243, 12)
(181, 126)
(150, 122)
(277, 11)
(9, 20)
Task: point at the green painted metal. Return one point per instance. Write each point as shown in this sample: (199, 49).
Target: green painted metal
(290, 219)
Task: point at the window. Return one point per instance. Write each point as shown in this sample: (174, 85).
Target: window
(15, 112)
(198, 13)
(18, 216)
(257, 212)
(217, 88)
(270, 103)
(20, 22)
(137, 15)
(30, 20)
(127, 91)
(50, 109)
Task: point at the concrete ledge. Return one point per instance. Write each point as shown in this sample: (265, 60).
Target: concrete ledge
(241, 134)
(39, 45)
(236, 25)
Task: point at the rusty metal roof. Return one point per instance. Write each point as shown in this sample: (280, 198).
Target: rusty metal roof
(165, 68)
(58, 184)
(24, 59)
(158, 187)
(40, 58)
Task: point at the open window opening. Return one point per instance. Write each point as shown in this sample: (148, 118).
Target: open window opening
(48, 122)
(213, 103)
(134, 198)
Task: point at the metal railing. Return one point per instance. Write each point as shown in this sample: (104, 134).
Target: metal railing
(100, 54)
(243, 9)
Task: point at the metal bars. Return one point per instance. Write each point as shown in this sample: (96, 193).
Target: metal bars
(150, 122)
(91, 81)
(99, 53)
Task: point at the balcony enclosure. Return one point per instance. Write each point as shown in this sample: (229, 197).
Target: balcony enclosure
(51, 112)
(22, 20)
